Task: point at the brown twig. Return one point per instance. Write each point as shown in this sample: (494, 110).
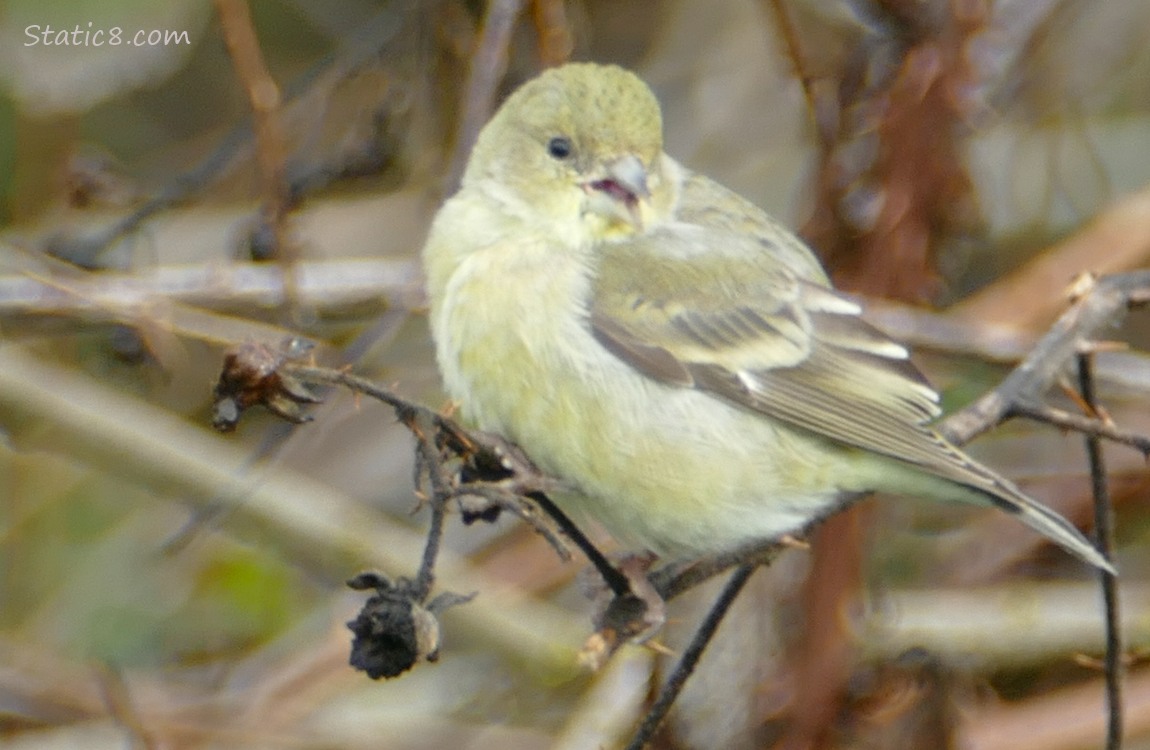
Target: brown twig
(271, 145)
(553, 30)
(1114, 241)
(120, 705)
(786, 29)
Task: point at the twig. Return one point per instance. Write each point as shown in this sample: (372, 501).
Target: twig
(943, 331)
(553, 30)
(1062, 719)
(671, 581)
(615, 580)
(1115, 240)
(1079, 423)
(323, 285)
(790, 36)
(1104, 536)
(1103, 305)
(488, 64)
(122, 708)
(690, 658)
(266, 102)
(508, 495)
(271, 238)
(428, 457)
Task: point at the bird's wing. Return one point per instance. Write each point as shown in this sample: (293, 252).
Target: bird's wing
(721, 315)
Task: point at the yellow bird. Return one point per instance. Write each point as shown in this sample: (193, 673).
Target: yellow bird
(665, 347)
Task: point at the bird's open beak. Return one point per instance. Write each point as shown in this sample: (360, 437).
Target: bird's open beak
(616, 193)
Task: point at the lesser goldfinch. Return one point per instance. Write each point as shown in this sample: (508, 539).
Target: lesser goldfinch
(673, 353)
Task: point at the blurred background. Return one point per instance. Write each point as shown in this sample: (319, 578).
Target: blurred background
(957, 162)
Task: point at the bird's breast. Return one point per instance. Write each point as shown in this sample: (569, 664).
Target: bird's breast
(512, 336)
(672, 468)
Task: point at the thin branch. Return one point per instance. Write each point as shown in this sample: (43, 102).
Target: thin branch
(554, 31)
(428, 457)
(514, 492)
(323, 285)
(1103, 305)
(1115, 240)
(686, 664)
(1085, 425)
(121, 707)
(1000, 342)
(1104, 537)
(267, 103)
(790, 36)
(671, 581)
(615, 580)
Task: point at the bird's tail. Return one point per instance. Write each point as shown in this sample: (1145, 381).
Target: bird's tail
(1048, 523)
(960, 468)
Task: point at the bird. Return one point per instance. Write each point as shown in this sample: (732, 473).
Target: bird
(675, 356)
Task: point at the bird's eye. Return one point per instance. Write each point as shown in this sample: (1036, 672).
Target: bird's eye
(560, 147)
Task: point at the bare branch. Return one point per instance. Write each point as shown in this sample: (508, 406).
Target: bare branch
(323, 285)
(512, 491)
(1104, 304)
(554, 31)
(686, 664)
(266, 102)
(1104, 536)
(1085, 425)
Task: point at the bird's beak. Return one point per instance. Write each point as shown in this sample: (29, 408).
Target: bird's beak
(617, 191)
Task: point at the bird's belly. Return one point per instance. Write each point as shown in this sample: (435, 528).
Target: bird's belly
(673, 469)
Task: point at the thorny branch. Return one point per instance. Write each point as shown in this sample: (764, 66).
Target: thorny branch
(483, 475)
(398, 625)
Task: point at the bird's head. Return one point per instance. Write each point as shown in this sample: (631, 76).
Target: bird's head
(580, 146)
